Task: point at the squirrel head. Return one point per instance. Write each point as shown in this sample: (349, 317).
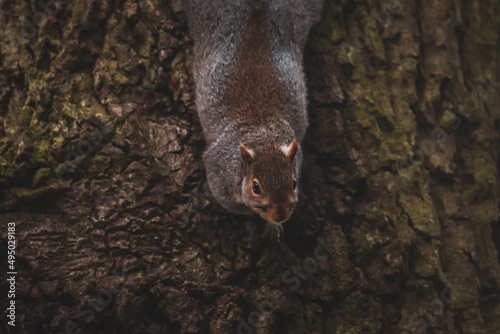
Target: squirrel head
(269, 184)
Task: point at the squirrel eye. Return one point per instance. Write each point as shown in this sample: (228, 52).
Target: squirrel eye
(294, 183)
(255, 188)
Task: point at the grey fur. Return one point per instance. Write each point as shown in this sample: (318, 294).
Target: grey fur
(218, 29)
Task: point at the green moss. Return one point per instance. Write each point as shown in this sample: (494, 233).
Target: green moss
(483, 169)
(420, 211)
(41, 176)
(330, 28)
(347, 319)
(425, 260)
(144, 42)
(40, 152)
(441, 163)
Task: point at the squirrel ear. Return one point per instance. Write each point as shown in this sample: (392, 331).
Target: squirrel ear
(246, 154)
(290, 150)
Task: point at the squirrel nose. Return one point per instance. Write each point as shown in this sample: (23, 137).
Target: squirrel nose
(279, 214)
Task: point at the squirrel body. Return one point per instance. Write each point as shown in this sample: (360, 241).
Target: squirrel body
(251, 99)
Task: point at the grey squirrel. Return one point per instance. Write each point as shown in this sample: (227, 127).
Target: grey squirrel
(251, 99)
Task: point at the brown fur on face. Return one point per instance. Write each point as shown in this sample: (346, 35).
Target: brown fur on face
(274, 172)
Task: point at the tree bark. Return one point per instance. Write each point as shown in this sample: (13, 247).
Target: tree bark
(100, 170)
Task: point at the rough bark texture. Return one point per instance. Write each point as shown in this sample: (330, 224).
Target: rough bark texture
(400, 174)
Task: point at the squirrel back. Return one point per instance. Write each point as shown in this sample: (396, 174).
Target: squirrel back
(251, 99)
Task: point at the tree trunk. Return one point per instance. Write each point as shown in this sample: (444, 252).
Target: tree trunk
(100, 170)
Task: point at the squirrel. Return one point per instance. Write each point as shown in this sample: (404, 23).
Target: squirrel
(251, 99)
